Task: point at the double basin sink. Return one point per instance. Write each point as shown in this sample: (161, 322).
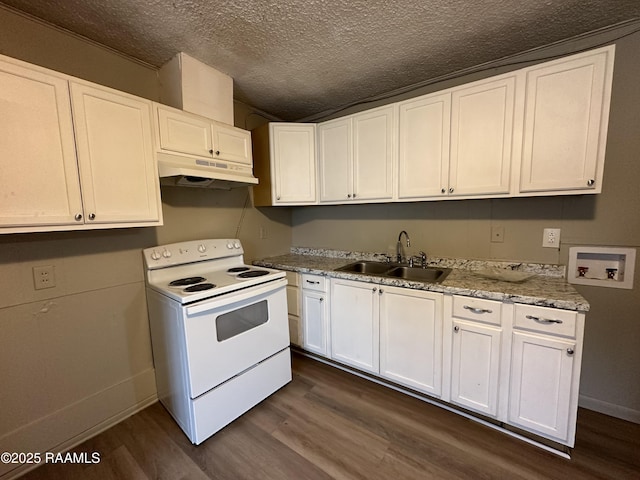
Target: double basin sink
(390, 270)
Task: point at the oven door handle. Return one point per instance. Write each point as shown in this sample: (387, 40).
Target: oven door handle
(229, 298)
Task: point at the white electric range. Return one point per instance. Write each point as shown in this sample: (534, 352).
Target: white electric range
(219, 331)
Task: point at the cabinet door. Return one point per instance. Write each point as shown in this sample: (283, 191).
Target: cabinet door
(314, 322)
(423, 161)
(335, 160)
(411, 338)
(481, 137)
(373, 143)
(115, 155)
(185, 133)
(38, 171)
(232, 144)
(567, 111)
(475, 367)
(293, 163)
(541, 383)
(354, 324)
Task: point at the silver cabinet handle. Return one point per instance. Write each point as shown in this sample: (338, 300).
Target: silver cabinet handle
(211, 151)
(348, 195)
(92, 216)
(570, 351)
(381, 292)
(443, 191)
(543, 320)
(354, 194)
(278, 197)
(78, 217)
(374, 290)
(321, 299)
(477, 310)
(217, 152)
(590, 182)
(456, 329)
(451, 190)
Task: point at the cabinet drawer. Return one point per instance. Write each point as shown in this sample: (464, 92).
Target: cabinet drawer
(477, 309)
(546, 320)
(293, 279)
(314, 282)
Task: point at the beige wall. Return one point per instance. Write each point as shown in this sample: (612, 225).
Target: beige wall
(77, 357)
(611, 360)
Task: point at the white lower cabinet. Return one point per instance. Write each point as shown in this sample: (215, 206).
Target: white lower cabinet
(476, 354)
(545, 371)
(411, 338)
(315, 314)
(354, 324)
(519, 364)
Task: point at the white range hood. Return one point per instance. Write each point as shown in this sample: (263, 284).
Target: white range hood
(182, 171)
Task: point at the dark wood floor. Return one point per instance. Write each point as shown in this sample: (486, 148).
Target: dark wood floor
(330, 424)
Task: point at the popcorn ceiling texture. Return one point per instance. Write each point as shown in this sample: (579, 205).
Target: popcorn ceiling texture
(298, 58)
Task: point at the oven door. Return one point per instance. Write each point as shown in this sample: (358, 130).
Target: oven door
(228, 334)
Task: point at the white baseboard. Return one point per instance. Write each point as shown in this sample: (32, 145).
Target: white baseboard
(610, 409)
(66, 428)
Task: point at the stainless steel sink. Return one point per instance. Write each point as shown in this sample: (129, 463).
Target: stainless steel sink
(366, 267)
(419, 274)
(382, 269)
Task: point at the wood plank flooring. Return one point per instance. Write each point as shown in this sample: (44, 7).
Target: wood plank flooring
(329, 424)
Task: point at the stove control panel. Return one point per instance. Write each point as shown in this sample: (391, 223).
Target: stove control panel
(192, 251)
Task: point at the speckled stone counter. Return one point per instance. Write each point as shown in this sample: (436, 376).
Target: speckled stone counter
(546, 288)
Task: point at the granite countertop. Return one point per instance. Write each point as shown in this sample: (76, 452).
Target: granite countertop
(547, 287)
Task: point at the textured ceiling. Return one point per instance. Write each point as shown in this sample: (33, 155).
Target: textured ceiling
(298, 58)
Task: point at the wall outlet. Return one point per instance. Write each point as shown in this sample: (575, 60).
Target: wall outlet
(497, 234)
(44, 277)
(551, 238)
(263, 233)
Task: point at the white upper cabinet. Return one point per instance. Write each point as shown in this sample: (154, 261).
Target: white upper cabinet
(232, 143)
(115, 156)
(285, 163)
(184, 132)
(481, 137)
(356, 157)
(73, 159)
(39, 176)
(335, 160)
(539, 130)
(373, 152)
(423, 158)
(566, 119)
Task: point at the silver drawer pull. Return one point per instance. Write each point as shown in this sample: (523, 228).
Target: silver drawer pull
(313, 282)
(477, 310)
(543, 320)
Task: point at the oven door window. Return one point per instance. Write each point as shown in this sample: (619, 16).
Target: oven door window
(230, 324)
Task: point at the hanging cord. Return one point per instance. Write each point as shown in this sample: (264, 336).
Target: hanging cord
(244, 210)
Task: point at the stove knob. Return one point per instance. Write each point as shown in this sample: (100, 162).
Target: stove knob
(202, 248)
(155, 255)
(229, 245)
(166, 253)
(236, 244)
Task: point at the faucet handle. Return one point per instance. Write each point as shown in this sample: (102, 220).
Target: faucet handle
(423, 259)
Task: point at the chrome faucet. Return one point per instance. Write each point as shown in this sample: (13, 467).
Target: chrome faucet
(399, 245)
